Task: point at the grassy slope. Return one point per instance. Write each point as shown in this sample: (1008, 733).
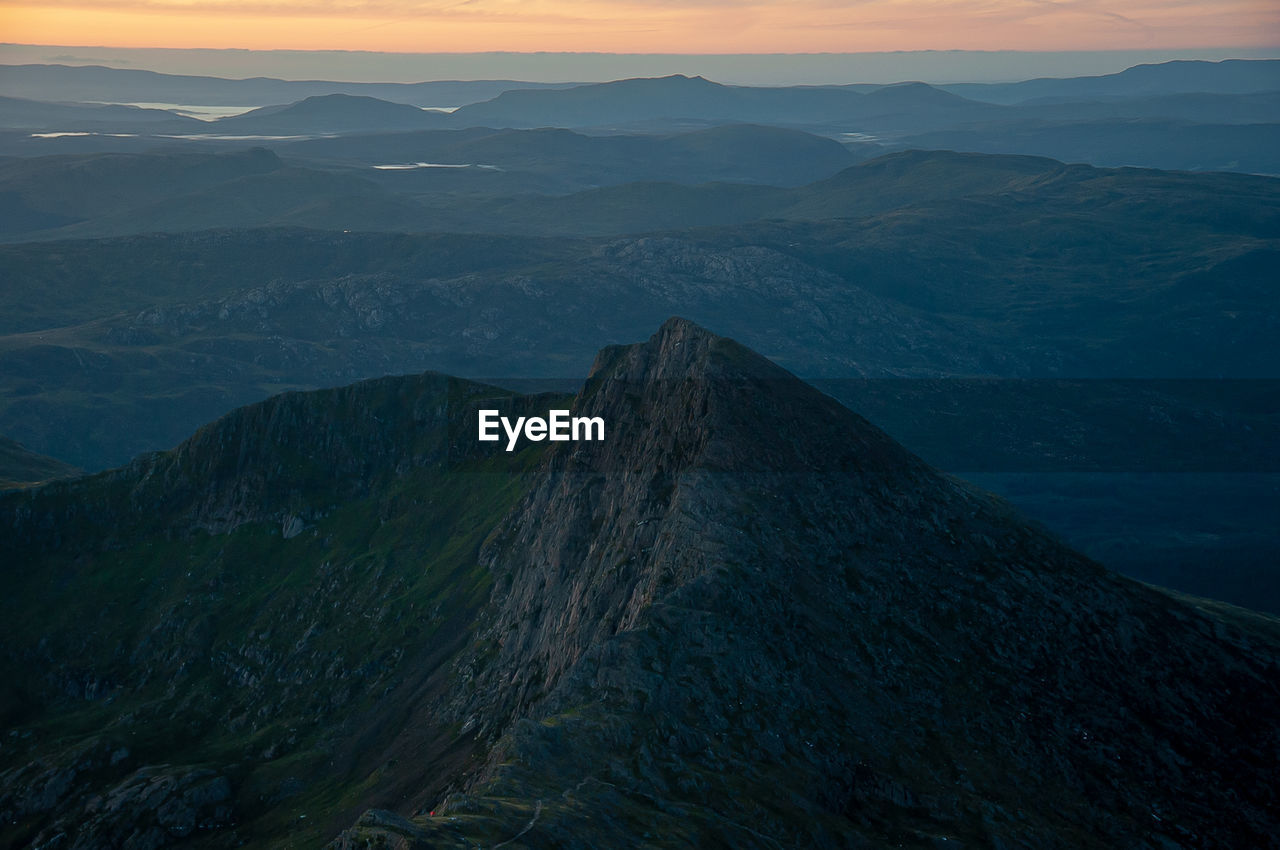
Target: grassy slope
(20, 467)
(281, 641)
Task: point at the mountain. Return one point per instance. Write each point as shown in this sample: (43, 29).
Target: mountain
(919, 264)
(1198, 108)
(19, 114)
(331, 113)
(1188, 116)
(62, 190)
(604, 103)
(95, 194)
(910, 107)
(1152, 143)
(557, 161)
(115, 85)
(21, 467)
(337, 459)
(1229, 76)
(745, 618)
(462, 189)
(344, 183)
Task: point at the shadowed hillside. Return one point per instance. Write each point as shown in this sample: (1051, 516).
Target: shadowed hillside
(746, 617)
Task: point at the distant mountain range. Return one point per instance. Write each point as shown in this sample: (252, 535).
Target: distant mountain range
(1229, 76)
(746, 617)
(899, 108)
(114, 85)
(331, 114)
(119, 194)
(101, 194)
(1187, 116)
(66, 83)
(914, 264)
(20, 114)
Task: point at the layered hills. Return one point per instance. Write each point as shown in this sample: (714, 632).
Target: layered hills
(1194, 115)
(1229, 76)
(21, 467)
(96, 83)
(912, 265)
(746, 618)
(441, 180)
(331, 113)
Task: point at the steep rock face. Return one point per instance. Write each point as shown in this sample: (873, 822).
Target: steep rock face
(699, 431)
(748, 618)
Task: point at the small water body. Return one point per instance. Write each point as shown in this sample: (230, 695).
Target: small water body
(411, 166)
(204, 112)
(60, 135)
(228, 137)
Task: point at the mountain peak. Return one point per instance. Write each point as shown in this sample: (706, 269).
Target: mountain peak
(747, 586)
(745, 618)
(680, 349)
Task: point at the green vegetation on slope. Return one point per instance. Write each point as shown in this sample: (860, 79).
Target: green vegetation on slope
(257, 653)
(20, 467)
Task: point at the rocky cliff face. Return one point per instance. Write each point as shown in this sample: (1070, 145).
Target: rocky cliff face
(746, 618)
(751, 619)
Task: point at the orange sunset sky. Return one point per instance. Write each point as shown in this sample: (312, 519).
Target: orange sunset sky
(630, 26)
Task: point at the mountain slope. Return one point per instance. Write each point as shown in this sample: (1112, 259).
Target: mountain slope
(1229, 76)
(258, 600)
(916, 264)
(1149, 143)
(97, 83)
(555, 161)
(98, 194)
(21, 467)
(19, 113)
(905, 107)
(746, 618)
(751, 619)
(331, 113)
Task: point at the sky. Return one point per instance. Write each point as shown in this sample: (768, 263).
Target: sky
(646, 26)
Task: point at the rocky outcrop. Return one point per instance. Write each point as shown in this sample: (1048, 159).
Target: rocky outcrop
(151, 807)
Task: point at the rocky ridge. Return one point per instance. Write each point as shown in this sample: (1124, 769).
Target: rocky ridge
(751, 619)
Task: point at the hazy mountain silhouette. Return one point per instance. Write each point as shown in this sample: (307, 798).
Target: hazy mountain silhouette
(96, 83)
(911, 106)
(16, 113)
(1229, 76)
(332, 113)
(560, 161)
